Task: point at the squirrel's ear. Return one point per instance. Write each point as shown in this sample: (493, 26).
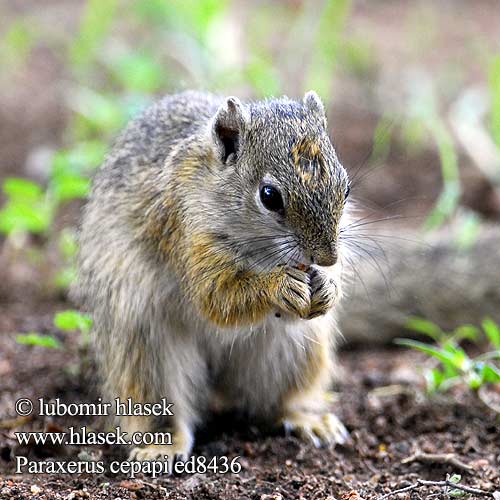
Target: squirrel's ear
(228, 126)
(314, 105)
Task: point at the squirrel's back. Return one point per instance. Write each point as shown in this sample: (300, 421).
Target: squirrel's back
(149, 138)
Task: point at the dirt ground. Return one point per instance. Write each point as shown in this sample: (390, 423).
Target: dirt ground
(398, 435)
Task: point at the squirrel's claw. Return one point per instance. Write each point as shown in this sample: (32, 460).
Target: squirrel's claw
(318, 429)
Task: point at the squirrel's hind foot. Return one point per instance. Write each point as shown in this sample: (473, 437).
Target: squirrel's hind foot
(179, 450)
(323, 429)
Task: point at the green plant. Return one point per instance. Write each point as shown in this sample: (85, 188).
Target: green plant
(68, 321)
(71, 321)
(68, 248)
(424, 121)
(494, 81)
(31, 207)
(36, 339)
(27, 209)
(452, 364)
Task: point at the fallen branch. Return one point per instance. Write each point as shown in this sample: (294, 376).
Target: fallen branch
(440, 484)
(439, 458)
(433, 279)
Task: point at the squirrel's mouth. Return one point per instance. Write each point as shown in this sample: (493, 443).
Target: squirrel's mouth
(302, 267)
(300, 262)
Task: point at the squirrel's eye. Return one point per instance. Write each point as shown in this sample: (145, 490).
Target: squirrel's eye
(271, 198)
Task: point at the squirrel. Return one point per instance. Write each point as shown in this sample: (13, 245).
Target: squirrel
(211, 263)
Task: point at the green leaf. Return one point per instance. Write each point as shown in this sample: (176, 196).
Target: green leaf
(22, 189)
(445, 357)
(70, 187)
(73, 320)
(474, 380)
(426, 327)
(455, 479)
(39, 340)
(469, 332)
(434, 379)
(489, 373)
(459, 357)
(456, 493)
(414, 135)
(494, 80)
(492, 331)
(21, 216)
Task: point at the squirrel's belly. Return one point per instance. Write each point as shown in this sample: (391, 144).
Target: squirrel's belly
(253, 371)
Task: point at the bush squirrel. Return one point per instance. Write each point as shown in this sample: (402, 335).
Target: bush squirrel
(210, 261)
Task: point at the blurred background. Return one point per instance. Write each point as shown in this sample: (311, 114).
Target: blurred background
(412, 91)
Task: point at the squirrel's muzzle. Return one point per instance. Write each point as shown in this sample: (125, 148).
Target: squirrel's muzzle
(324, 259)
(325, 256)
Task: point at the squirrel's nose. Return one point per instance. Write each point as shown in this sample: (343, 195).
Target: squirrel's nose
(325, 259)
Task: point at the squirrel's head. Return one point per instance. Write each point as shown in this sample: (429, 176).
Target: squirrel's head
(280, 179)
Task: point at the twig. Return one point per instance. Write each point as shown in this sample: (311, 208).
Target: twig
(154, 486)
(441, 484)
(441, 458)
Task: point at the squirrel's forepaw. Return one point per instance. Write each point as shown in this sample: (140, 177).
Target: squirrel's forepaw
(294, 294)
(323, 429)
(324, 293)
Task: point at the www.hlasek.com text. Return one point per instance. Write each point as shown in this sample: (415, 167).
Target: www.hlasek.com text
(83, 436)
